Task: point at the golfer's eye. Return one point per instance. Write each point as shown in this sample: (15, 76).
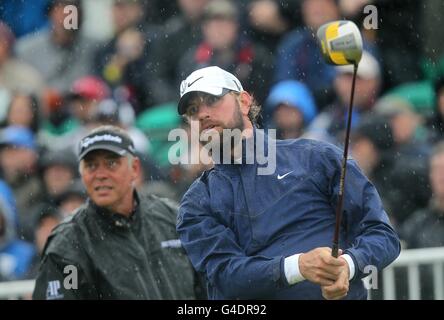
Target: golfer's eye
(90, 166)
(111, 163)
(192, 110)
(211, 100)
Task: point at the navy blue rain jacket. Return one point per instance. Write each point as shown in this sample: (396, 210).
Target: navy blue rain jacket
(237, 227)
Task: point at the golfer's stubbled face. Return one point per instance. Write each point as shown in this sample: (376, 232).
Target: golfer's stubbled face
(215, 113)
(108, 179)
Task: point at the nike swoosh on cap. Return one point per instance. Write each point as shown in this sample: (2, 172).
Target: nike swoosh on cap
(191, 83)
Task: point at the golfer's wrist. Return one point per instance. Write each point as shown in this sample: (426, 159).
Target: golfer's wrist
(294, 275)
(351, 265)
(291, 269)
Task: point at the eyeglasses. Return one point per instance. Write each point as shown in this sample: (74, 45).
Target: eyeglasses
(202, 99)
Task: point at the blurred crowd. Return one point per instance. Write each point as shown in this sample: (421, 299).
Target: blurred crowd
(58, 83)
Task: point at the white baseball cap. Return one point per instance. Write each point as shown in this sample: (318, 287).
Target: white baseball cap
(212, 80)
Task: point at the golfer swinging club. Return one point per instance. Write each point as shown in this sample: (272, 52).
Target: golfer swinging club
(270, 236)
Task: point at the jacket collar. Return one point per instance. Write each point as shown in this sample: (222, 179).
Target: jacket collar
(114, 218)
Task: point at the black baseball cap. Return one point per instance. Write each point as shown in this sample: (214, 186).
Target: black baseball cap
(109, 140)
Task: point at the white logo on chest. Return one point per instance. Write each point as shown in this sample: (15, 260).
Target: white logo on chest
(283, 176)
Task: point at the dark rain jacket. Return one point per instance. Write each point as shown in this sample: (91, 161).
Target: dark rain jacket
(101, 255)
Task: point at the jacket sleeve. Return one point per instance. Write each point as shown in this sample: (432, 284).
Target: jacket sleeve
(213, 250)
(371, 240)
(59, 279)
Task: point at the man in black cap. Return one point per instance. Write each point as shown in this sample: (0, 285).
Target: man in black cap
(119, 245)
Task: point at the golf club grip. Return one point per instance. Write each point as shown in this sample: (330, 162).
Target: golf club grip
(335, 250)
(344, 168)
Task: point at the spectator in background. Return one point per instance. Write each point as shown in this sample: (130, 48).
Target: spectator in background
(436, 121)
(153, 181)
(298, 55)
(372, 148)
(58, 170)
(8, 196)
(90, 106)
(60, 54)
(128, 13)
(78, 107)
(54, 117)
(46, 218)
(14, 73)
(24, 16)
(268, 22)
(330, 124)
(291, 108)
(82, 101)
(225, 46)
(408, 176)
(400, 49)
(109, 112)
(425, 227)
(180, 33)
(84, 96)
(71, 199)
(126, 61)
(159, 11)
(15, 255)
(18, 161)
(431, 19)
(407, 125)
(23, 110)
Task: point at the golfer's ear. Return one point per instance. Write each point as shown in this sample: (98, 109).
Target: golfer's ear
(245, 100)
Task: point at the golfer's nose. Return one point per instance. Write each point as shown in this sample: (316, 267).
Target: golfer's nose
(101, 172)
(203, 112)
